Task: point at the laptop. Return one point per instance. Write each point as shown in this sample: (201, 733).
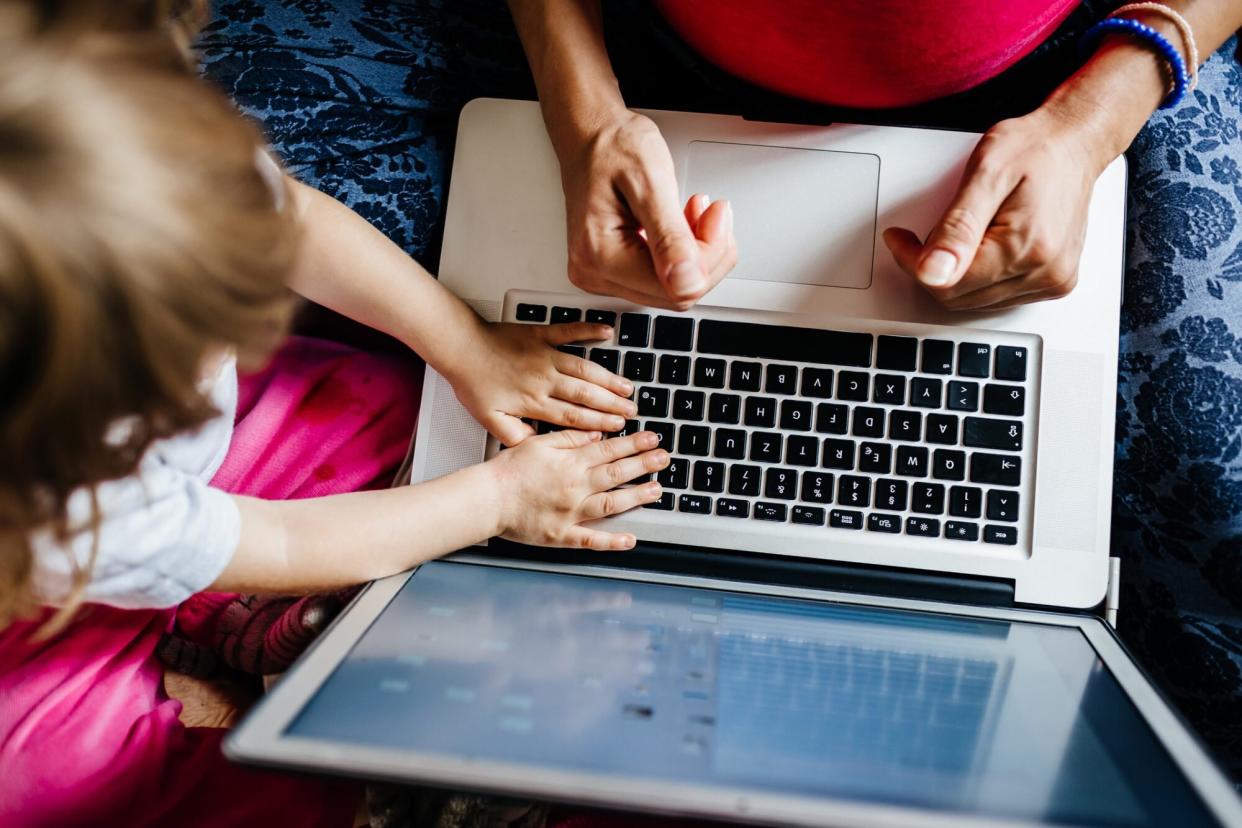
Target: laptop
(877, 588)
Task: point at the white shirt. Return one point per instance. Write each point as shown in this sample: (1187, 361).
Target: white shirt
(163, 534)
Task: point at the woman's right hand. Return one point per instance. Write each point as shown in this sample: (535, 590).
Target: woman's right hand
(548, 485)
(628, 233)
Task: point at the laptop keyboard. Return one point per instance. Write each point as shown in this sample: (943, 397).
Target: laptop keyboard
(911, 430)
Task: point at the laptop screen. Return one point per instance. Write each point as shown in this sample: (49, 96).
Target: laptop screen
(782, 695)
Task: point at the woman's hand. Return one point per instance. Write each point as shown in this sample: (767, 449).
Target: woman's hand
(628, 233)
(1014, 232)
(550, 484)
(517, 372)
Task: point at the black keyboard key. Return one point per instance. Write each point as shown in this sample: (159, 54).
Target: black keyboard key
(928, 498)
(1006, 400)
(744, 480)
(730, 444)
(1003, 505)
(673, 333)
(676, 475)
(547, 428)
(708, 476)
(978, 432)
(831, 418)
(694, 504)
(674, 370)
(809, 515)
(601, 317)
(853, 386)
(973, 359)
(664, 504)
(890, 524)
(926, 393)
(765, 447)
(748, 339)
(1010, 363)
(948, 464)
(781, 379)
(709, 373)
(853, 491)
(965, 501)
(963, 396)
(796, 415)
(905, 425)
(639, 366)
(744, 376)
(868, 422)
(896, 353)
(663, 432)
(631, 427)
(780, 484)
(801, 450)
(889, 389)
(838, 454)
(607, 357)
(891, 494)
(923, 527)
(634, 330)
(961, 530)
(653, 402)
(937, 357)
(688, 405)
(1006, 535)
(995, 469)
(875, 458)
(817, 487)
(912, 461)
(562, 315)
(770, 511)
(724, 408)
(531, 313)
(727, 507)
(573, 350)
(817, 383)
(694, 440)
(845, 519)
(942, 429)
(761, 412)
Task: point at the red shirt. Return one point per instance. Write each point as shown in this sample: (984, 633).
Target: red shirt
(865, 53)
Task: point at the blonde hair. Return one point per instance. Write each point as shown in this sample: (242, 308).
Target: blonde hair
(137, 237)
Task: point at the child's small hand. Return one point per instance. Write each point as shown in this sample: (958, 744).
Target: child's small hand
(550, 484)
(519, 373)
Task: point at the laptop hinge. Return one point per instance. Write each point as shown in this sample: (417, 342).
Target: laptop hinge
(777, 570)
(1112, 599)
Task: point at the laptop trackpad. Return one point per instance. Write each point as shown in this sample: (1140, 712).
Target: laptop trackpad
(802, 216)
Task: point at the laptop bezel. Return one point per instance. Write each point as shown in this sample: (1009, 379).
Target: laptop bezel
(260, 739)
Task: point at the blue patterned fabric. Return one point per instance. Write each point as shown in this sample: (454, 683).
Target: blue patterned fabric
(361, 99)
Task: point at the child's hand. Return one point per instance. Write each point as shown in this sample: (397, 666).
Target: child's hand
(519, 373)
(550, 484)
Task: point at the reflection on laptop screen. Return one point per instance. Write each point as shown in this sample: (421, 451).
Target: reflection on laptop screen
(752, 693)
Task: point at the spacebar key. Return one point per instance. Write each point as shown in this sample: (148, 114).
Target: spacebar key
(749, 339)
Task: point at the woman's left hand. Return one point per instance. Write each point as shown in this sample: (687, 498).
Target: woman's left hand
(1014, 232)
(518, 372)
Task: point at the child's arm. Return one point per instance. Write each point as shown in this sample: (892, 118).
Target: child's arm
(538, 493)
(500, 372)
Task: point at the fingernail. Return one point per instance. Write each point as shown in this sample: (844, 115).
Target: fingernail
(662, 458)
(650, 440)
(655, 489)
(706, 200)
(937, 268)
(729, 214)
(684, 277)
(616, 423)
(624, 542)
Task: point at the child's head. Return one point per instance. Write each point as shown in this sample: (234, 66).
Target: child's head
(138, 239)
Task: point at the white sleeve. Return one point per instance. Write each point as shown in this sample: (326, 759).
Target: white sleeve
(163, 535)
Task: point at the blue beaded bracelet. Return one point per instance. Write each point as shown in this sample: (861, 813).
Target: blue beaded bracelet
(1153, 38)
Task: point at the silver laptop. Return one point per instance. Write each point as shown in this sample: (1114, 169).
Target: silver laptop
(861, 599)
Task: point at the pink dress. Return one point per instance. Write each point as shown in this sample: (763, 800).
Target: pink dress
(88, 735)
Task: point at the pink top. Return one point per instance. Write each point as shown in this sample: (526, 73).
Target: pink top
(865, 53)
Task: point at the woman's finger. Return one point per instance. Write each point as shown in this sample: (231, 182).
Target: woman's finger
(507, 429)
(580, 537)
(587, 371)
(993, 267)
(695, 206)
(618, 472)
(571, 438)
(590, 395)
(577, 417)
(616, 448)
(567, 332)
(606, 504)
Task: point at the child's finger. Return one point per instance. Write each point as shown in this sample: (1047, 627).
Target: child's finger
(582, 538)
(616, 448)
(606, 504)
(621, 471)
(508, 430)
(576, 416)
(590, 395)
(582, 369)
(568, 332)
